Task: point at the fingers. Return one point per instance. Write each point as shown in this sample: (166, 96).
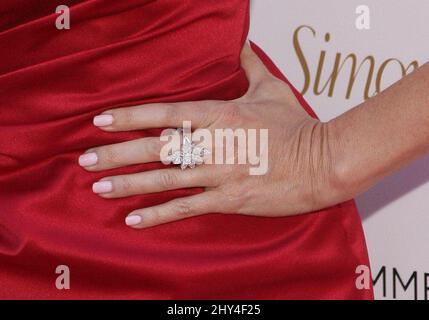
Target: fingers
(122, 154)
(174, 210)
(253, 66)
(154, 181)
(158, 115)
(202, 114)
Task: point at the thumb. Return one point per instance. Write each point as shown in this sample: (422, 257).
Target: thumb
(253, 66)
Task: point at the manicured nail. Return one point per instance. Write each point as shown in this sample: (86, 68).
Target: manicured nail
(103, 120)
(102, 187)
(88, 159)
(133, 220)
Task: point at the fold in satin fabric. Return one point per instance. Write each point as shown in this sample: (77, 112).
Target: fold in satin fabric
(116, 54)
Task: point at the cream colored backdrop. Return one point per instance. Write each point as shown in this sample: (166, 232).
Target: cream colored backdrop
(395, 213)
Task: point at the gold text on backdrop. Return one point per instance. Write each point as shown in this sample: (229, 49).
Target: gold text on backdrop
(374, 76)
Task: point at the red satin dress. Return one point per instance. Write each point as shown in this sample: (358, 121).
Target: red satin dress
(123, 53)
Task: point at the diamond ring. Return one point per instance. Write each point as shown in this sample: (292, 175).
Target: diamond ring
(189, 155)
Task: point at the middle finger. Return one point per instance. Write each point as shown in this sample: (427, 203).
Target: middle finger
(156, 181)
(122, 154)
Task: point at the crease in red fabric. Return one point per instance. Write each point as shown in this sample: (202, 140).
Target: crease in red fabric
(122, 53)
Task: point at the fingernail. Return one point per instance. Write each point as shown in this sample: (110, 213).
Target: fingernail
(88, 159)
(103, 120)
(102, 187)
(133, 220)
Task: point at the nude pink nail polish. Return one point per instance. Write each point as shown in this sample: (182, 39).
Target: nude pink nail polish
(88, 159)
(133, 220)
(102, 187)
(103, 120)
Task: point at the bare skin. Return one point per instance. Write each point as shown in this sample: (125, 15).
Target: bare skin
(312, 164)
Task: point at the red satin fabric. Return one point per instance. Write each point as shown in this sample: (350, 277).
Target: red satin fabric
(121, 53)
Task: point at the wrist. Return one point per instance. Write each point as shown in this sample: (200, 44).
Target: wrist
(327, 166)
(344, 182)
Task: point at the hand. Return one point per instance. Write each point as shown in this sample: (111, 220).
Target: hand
(301, 175)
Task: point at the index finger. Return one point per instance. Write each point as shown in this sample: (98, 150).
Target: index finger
(158, 115)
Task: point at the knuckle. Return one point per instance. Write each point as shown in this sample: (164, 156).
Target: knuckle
(126, 185)
(231, 113)
(170, 113)
(228, 171)
(206, 116)
(110, 155)
(234, 199)
(155, 215)
(183, 206)
(152, 147)
(231, 172)
(125, 116)
(167, 179)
